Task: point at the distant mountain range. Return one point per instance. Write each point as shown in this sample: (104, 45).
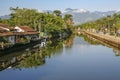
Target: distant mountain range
(80, 15)
(5, 17)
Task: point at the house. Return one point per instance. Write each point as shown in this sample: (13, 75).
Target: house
(25, 34)
(6, 33)
(19, 34)
(6, 36)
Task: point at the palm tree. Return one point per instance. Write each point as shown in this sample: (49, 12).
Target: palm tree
(68, 19)
(57, 12)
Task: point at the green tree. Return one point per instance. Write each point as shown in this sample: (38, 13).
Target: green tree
(68, 20)
(42, 22)
(57, 12)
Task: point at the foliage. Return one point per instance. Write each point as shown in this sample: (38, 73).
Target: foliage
(106, 25)
(57, 12)
(42, 22)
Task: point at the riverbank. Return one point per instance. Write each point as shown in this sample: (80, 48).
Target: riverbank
(111, 40)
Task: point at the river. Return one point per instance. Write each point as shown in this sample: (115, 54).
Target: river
(76, 58)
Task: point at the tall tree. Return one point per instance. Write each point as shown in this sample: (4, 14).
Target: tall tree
(68, 19)
(57, 12)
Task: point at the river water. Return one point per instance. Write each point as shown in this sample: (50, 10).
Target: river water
(76, 58)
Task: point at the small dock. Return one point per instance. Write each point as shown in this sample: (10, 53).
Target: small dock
(111, 40)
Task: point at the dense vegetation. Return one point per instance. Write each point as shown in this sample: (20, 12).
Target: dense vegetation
(42, 22)
(109, 25)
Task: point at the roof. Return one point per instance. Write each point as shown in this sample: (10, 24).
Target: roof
(4, 25)
(1, 29)
(27, 29)
(8, 33)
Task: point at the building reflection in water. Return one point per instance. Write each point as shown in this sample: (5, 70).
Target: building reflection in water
(13, 59)
(36, 55)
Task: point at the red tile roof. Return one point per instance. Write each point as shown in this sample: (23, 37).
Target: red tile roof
(4, 25)
(1, 29)
(27, 29)
(6, 34)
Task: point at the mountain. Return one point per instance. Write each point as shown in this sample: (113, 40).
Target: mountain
(82, 15)
(5, 17)
(75, 10)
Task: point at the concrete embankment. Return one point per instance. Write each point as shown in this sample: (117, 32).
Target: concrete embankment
(111, 40)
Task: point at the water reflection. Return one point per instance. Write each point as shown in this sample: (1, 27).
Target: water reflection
(74, 58)
(14, 59)
(69, 42)
(94, 41)
(117, 52)
(33, 60)
(36, 55)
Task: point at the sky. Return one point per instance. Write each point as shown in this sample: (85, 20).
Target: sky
(91, 5)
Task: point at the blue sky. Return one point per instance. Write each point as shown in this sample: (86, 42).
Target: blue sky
(91, 5)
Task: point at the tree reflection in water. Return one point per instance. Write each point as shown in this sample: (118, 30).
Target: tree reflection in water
(94, 41)
(69, 42)
(35, 56)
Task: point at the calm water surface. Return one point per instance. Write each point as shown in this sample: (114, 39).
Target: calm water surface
(76, 59)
